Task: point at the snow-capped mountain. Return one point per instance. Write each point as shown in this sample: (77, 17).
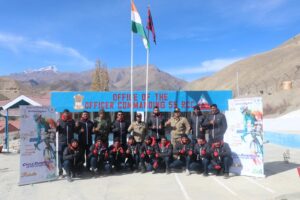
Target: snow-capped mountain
(51, 68)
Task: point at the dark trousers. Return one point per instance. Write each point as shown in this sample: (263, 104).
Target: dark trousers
(147, 163)
(116, 161)
(100, 164)
(85, 155)
(132, 161)
(184, 161)
(71, 167)
(200, 165)
(164, 162)
(61, 149)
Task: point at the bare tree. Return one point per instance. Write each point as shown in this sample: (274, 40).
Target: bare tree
(100, 77)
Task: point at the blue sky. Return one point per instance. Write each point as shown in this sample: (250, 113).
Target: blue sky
(195, 38)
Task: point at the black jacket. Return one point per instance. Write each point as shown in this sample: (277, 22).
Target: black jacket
(73, 155)
(85, 137)
(65, 131)
(222, 151)
(101, 152)
(151, 148)
(133, 148)
(196, 122)
(165, 151)
(119, 129)
(216, 131)
(186, 147)
(156, 124)
(202, 150)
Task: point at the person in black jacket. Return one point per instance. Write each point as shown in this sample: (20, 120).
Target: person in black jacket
(156, 124)
(65, 128)
(164, 154)
(196, 122)
(221, 159)
(116, 155)
(183, 154)
(72, 159)
(119, 128)
(202, 154)
(216, 123)
(85, 130)
(99, 158)
(132, 159)
(147, 154)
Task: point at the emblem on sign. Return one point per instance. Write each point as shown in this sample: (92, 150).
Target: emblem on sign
(78, 102)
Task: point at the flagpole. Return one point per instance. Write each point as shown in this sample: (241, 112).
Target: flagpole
(146, 95)
(131, 79)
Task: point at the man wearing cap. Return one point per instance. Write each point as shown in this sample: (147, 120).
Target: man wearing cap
(65, 128)
(102, 126)
(202, 154)
(156, 124)
(138, 129)
(216, 123)
(120, 128)
(183, 154)
(85, 130)
(179, 126)
(196, 122)
(72, 157)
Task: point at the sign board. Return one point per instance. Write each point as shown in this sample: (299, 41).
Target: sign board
(114, 101)
(37, 144)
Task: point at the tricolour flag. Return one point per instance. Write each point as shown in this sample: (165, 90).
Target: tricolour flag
(150, 25)
(137, 26)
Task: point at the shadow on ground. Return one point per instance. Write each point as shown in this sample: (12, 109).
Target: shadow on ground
(276, 167)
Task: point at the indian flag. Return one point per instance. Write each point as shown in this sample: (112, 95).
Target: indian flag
(137, 26)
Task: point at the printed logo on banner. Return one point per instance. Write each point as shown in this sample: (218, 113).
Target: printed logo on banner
(203, 103)
(78, 102)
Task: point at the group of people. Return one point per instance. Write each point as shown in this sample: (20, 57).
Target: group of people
(140, 146)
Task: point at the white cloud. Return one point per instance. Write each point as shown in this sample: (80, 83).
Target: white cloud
(208, 66)
(18, 44)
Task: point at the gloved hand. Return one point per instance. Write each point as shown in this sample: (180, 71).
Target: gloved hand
(216, 154)
(190, 152)
(156, 155)
(217, 167)
(127, 151)
(95, 152)
(203, 152)
(114, 150)
(106, 155)
(182, 151)
(121, 150)
(148, 152)
(142, 155)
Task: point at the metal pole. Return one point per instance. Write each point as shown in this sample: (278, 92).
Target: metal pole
(6, 132)
(131, 79)
(146, 95)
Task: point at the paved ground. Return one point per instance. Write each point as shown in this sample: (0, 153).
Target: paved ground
(281, 182)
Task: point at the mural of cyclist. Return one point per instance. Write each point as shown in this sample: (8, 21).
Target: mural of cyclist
(249, 121)
(41, 128)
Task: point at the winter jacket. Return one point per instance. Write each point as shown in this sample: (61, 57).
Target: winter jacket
(156, 124)
(85, 131)
(65, 129)
(202, 150)
(196, 122)
(218, 129)
(120, 129)
(164, 151)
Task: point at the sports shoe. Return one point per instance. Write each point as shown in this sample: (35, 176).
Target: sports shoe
(226, 175)
(205, 174)
(187, 172)
(69, 179)
(168, 171)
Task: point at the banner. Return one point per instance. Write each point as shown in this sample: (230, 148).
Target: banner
(114, 101)
(37, 144)
(245, 136)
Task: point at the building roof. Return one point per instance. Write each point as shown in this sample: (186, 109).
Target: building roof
(21, 100)
(12, 126)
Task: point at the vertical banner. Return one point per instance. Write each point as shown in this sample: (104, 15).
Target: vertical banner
(37, 144)
(245, 136)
